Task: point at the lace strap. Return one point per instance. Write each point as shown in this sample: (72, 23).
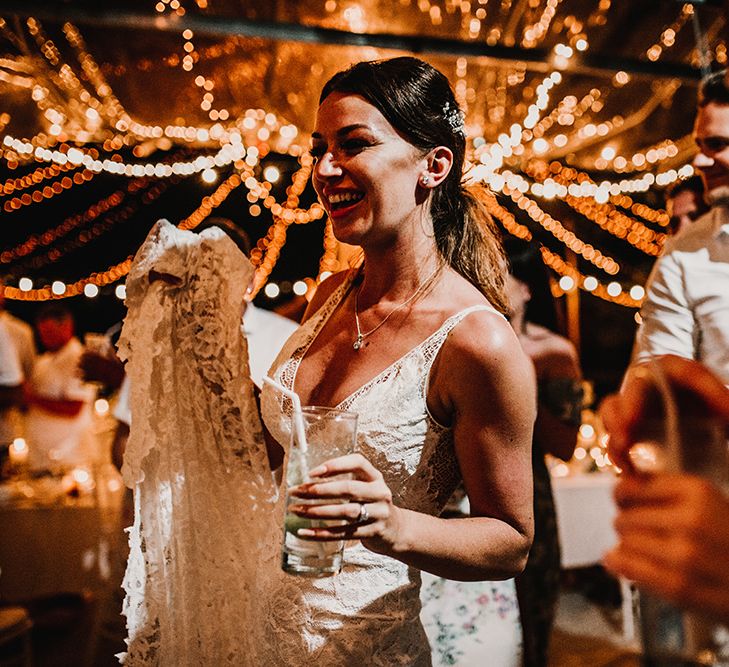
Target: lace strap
(432, 345)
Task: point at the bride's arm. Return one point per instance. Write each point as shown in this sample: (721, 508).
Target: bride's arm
(486, 384)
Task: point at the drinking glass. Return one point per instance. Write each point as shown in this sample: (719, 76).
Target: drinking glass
(680, 436)
(321, 434)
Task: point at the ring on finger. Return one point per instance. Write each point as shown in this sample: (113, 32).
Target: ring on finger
(364, 515)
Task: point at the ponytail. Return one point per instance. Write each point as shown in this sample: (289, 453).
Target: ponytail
(470, 242)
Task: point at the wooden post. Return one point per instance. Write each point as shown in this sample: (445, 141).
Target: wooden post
(572, 303)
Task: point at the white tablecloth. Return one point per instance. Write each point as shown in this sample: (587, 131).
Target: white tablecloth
(58, 548)
(585, 514)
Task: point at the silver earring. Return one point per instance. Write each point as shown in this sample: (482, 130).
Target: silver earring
(425, 179)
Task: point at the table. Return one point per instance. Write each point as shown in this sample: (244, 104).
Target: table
(585, 514)
(60, 547)
(50, 550)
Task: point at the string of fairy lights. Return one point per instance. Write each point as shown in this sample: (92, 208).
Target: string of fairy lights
(150, 191)
(49, 236)
(34, 178)
(48, 191)
(95, 134)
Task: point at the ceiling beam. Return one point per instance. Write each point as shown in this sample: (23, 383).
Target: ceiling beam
(539, 60)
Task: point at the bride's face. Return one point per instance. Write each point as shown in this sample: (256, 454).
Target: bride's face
(365, 173)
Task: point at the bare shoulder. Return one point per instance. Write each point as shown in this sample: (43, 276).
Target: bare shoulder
(552, 354)
(483, 350)
(325, 289)
(484, 335)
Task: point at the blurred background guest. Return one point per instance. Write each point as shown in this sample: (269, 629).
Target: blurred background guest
(534, 317)
(17, 356)
(21, 333)
(59, 419)
(685, 204)
(465, 619)
(11, 380)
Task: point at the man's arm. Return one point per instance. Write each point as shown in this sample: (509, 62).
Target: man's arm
(673, 529)
(668, 325)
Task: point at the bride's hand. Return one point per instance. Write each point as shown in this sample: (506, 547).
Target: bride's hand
(364, 503)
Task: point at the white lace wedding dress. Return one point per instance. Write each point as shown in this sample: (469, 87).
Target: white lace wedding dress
(205, 530)
(368, 614)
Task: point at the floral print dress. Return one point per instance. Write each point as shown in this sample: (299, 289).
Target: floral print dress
(471, 623)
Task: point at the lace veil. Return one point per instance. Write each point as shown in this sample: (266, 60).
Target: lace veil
(205, 526)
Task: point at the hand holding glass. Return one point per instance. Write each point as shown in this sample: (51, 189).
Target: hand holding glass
(320, 435)
(675, 440)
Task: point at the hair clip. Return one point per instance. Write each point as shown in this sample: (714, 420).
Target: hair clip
(454, 118)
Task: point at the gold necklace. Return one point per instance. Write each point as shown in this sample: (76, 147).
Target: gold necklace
(361, 335)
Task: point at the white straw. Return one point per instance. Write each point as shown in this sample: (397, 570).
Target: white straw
(298, 422)
(298, 419)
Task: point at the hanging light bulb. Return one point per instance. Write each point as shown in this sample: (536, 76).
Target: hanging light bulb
(566, 283)
(637, 292)
(590, 283)
(614, 288)
(271, 174)
(209, 175)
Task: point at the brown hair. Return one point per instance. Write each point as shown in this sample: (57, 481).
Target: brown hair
(417, 100)
(715, 88)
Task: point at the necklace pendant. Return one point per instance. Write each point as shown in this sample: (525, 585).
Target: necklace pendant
(358, 343)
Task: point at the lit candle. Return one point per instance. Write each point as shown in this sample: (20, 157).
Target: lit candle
(18, 452)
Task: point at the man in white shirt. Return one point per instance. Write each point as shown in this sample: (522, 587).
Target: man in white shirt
(686, 311)
(11, 380)
(59, 419)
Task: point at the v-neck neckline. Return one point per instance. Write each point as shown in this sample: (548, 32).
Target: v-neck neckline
(340, 294)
